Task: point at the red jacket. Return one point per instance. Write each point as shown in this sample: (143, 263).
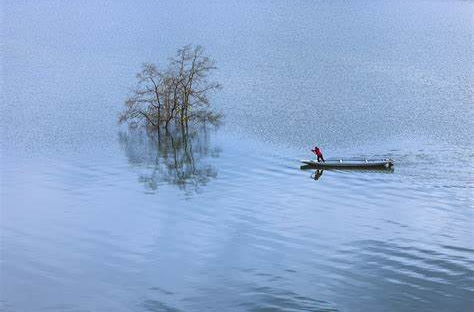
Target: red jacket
(317, 151)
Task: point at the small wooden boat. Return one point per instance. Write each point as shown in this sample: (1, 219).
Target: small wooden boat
(350, 163)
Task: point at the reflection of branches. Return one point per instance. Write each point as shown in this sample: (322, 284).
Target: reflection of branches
(177, 157)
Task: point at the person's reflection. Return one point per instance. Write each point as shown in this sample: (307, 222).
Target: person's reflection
(317, 174)
(177, 157)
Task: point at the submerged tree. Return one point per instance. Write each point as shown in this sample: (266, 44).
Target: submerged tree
(176, 95)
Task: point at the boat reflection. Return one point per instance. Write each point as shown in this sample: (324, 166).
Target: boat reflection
(316, 175)
(178, 157)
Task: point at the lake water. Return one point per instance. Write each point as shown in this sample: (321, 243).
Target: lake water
(96, 217)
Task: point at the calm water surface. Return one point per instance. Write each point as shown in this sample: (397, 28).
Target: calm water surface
(96, 217)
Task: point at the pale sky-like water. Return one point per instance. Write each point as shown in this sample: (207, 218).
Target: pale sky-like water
(95, 217)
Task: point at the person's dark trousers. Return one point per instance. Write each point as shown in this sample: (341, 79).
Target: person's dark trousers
(321, 158)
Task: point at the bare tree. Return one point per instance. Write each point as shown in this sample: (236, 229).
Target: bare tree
(177, 95)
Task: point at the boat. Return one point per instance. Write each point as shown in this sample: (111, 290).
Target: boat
(350, 163)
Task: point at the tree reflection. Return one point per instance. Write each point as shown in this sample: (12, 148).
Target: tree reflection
(179, 157)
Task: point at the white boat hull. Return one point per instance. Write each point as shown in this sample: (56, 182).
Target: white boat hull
(350, 164)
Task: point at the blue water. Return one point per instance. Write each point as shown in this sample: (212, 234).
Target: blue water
(98, 217)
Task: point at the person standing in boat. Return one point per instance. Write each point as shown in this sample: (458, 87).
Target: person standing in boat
(318, 153)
